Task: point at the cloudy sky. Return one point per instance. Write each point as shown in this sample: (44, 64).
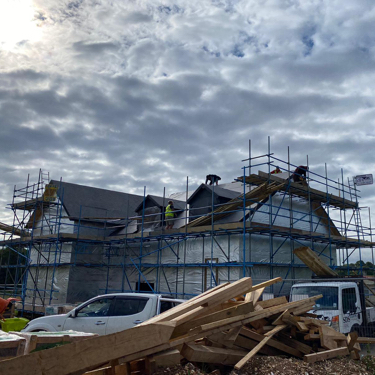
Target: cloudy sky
(131, 93)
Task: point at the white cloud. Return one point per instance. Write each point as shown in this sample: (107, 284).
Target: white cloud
(131, 93)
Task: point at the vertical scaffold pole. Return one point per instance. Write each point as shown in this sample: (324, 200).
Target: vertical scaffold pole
(244, 225)
(141, 247)
(185, 242)
(270, 211)
(329, 221)
(212, 233)
(250, 247)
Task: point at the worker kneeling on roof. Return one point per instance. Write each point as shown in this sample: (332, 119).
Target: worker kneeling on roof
(299, 174)
(212, 178)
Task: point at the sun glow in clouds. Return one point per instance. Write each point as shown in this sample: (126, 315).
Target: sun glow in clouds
(17, 23)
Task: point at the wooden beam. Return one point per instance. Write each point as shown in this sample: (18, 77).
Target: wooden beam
(273, 342)
(262, 286)
(272, 302)
(91, 353)
(302, 191)
(288, 340)
(328, 354)
(312, 260)
(256, 315)
(192, 308)
(366, 340)
(254, 351)
(351, 340)
(219, 315)
(210, 354)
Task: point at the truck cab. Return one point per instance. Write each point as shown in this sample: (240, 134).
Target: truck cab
(341, 304)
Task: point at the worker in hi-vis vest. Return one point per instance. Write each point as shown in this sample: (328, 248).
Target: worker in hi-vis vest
(169, 215)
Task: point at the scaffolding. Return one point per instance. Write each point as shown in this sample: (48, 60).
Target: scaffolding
(44, 242)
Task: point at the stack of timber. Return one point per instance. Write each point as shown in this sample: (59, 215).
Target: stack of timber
(226, 325)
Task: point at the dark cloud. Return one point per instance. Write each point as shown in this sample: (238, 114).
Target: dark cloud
(129, 94)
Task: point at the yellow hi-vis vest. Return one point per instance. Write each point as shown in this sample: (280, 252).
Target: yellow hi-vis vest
(169, 211)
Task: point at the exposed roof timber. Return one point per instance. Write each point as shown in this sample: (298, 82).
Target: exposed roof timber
(253, 228)
(12, 229)
(321, 213)
(302, 191)
(30, 204)
(251, 197)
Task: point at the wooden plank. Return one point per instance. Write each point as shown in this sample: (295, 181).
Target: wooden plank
(302, 309)
(209, 354)
(366, 340)
(257, 294)
(231, 337)
(312, 260)
(279, 319)
(188, 302)
(302, 191)
(264, 285)
(241, 309)
(248, 344)
(286, 339)
(91, 353)
(168, 358)
(272, 302)
(354, 354)
(327, 337)
(328, 354)
(256, 315)
(254, 351)
(273, 342)
(191, 309)
(287, 318)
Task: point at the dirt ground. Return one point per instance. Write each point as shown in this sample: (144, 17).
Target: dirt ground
(281, 366)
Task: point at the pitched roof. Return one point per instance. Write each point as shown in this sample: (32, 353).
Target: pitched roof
(218, 191)
(162, 202)
(86, 201)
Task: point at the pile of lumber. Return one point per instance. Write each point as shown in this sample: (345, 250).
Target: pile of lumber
(226, 325)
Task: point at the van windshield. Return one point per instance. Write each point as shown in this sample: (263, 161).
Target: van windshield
(328, 302)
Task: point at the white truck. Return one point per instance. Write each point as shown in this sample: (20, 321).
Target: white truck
(343, 305)
(106, 314)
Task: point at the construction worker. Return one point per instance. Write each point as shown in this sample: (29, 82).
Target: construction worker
(212, 178)
(169, 215)
(299, 174)
(5, 305)
(277, 170)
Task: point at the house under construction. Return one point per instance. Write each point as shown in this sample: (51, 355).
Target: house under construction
(70, 242)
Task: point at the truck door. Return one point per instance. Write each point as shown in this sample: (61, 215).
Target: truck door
(128, 311)
(92, 317)
(350, 309)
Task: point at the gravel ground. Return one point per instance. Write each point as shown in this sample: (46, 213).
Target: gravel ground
(263, 365)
